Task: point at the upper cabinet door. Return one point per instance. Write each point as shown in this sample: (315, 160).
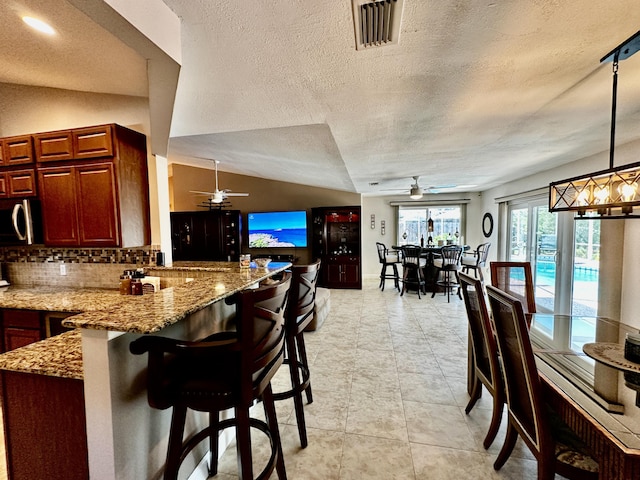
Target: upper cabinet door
(53, 146)
(17, 150)
(22, 183)
(60, 214)
(92, 142)
(96, 203)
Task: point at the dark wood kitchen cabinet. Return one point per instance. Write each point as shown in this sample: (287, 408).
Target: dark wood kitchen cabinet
(18, 183)
(20, 328)
(211, 235)
(336, 241)
(16, 150)
(81, 205)
(99, 197)
(16, 178)
(79, 143)
(23, 327)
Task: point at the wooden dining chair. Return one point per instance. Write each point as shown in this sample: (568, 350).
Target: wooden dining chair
(486, 367)
(516, 279)
(555, 446)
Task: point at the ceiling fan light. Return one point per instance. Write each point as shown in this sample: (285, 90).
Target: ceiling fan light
(217, 197)
(416, 193)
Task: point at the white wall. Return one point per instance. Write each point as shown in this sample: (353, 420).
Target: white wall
(381, 208)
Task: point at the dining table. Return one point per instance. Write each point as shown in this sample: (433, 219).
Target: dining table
(596, 397)
(429, 252)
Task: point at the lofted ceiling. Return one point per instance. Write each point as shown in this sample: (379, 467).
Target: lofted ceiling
(475, 93)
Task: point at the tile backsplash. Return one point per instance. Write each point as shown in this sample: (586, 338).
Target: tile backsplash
(84, 267)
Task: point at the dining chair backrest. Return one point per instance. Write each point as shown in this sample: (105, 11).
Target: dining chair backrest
(482, 252)
(411, 255)
(515, 278)
(383, 254)
(485, 349)
(485, 368)
(521, 379)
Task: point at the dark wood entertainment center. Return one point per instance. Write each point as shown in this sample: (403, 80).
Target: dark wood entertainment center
(334, 235)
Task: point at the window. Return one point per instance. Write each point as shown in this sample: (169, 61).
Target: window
(538, 236)
(413, 224)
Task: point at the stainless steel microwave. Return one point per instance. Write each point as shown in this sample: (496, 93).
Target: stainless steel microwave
(20, 222)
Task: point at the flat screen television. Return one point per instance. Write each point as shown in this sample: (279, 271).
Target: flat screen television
(277, 229)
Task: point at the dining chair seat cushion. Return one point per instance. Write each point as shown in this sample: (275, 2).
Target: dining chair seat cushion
(570, 449)
(575, 459)
(468, 261)
(439, 263)
(392, 259)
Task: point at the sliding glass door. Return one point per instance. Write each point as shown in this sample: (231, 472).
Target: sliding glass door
(534, 233)
(586, 263)
(564, 255)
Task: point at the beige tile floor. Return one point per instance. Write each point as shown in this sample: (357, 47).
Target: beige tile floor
(388, 376)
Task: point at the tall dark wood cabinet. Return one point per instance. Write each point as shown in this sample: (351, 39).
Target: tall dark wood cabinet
(336, 240)
(211, 235)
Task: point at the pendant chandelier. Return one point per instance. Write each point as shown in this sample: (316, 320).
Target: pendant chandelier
(610, 193)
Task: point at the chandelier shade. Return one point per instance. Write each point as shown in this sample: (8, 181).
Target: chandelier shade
(608, 192)
(611, 193)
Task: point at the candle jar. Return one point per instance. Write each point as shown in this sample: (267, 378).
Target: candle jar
(245, 260)
(136, 287)
(125, 284)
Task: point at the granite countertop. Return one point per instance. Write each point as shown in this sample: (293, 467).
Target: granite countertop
(153, 312)
(61, 355)
(58, 299)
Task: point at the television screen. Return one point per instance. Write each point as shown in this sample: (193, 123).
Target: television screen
(277, 229)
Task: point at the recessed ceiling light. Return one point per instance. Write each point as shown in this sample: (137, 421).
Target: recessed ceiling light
(39, 25)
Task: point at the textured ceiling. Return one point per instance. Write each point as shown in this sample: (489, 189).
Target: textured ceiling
(474, 93)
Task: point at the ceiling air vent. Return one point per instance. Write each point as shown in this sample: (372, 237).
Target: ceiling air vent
(376, 23)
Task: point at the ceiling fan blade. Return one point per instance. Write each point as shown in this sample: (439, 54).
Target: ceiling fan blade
(201, 193)
(226, 194)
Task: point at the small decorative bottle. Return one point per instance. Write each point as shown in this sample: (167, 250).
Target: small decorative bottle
(422, 240)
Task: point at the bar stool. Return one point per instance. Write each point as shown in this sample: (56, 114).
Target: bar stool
(412, 268)
(298, 315)
(388, 260)
(448, 263)
(225, 370)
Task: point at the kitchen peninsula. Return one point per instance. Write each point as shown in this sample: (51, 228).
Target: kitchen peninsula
(91, 367)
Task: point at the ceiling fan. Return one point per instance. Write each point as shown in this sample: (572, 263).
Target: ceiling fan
(218, 196)
(415, 191)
